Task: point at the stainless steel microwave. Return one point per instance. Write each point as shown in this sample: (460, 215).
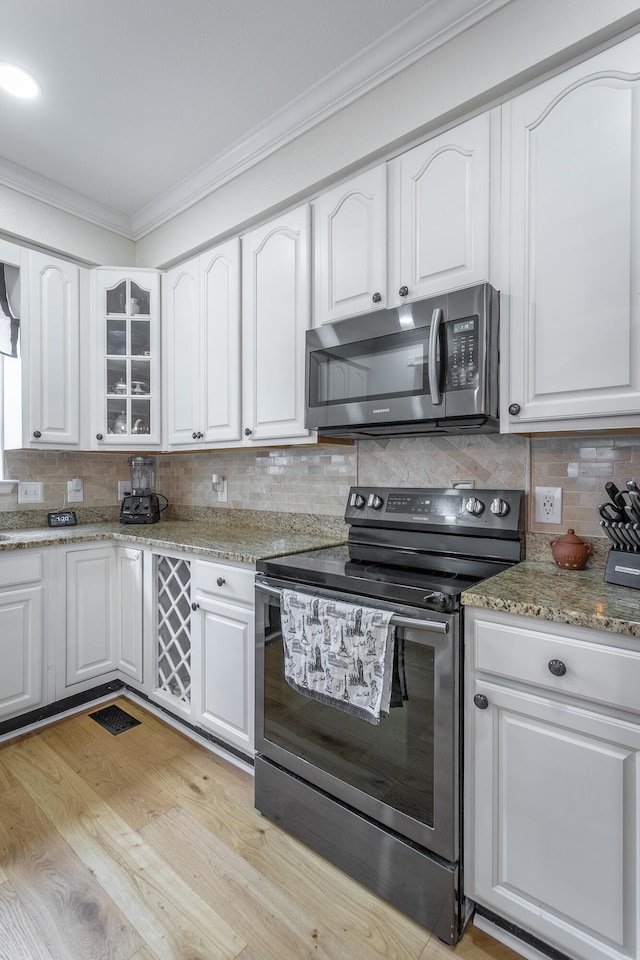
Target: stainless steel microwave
(429, 367)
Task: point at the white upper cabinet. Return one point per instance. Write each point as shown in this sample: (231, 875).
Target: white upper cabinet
(440, 212)
(125, 347)
(201, 317)
(351, 247)
(571, 181)
(275, 315)
(50, 326)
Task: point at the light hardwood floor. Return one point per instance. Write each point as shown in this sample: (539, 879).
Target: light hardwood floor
(146, 846)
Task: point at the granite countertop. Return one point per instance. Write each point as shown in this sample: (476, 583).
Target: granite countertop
(241, 543)
(577, 597)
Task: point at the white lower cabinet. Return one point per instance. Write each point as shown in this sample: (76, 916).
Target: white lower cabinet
(223, 642)
(22, 684)
(553, 780)
(102, 617)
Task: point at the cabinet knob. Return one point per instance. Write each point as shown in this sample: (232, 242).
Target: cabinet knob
(403, 292)
(514, 409)
(221, 581)
(481, 701)
(200, 434)
(99, 436)
(377, 297)
(195, 606)
(37, 434)
(194, 435)
(557, 668)
(247, 432)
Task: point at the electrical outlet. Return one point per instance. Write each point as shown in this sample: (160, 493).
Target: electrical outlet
(548, 504)
(75, 490)
(222, 491)
(30, 491)
(124, 487)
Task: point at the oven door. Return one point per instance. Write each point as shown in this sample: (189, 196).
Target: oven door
(403, 772)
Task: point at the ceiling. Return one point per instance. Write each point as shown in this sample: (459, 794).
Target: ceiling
(147, 105)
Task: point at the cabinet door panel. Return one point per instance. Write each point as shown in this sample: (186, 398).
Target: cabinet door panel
(220, 297)
(442, 222)
(21, 640)
(555, 821)
(351, 247)
(275, 317)
(226, 644)
(183, 346)
(91, 618)
(572, 244)
(53, 338)
(129, 653)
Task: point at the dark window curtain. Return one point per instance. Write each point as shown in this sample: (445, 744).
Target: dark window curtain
(9, 323)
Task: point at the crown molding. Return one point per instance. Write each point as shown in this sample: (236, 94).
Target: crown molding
(69, 201)
(433, 25)
(429, 28)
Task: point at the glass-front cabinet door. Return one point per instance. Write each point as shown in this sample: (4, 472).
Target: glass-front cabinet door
(126, 350)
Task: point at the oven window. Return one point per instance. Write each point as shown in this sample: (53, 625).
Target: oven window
(392, 761)
(378, 369)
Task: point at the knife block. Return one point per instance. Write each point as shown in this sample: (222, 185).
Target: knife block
(623, 568)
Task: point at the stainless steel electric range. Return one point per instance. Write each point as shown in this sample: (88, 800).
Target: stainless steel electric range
(383, 800)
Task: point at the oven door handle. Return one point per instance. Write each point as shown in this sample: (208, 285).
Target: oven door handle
(433, 626)
(434, 373)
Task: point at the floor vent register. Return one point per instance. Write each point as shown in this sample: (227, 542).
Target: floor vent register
(114, 720)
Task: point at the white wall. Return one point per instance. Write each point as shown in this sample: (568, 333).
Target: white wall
(518, 43)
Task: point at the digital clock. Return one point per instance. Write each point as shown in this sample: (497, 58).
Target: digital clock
(62, 518)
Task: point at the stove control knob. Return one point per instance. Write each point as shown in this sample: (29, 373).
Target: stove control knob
(357, 500)
(374, 501)
(474, 506)
(499, 507)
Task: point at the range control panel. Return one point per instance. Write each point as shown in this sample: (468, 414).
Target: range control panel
(491, 510)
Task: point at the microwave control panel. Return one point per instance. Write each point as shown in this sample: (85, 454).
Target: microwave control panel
(462, 354)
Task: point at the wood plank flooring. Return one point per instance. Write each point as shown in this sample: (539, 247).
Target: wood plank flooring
(146, 846)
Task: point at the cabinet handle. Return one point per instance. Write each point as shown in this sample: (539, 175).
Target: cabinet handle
(514, 409)
(557, 668)
(481, 701)
(247, 432)
(195, 606)
(377, 297)
(221, 581)
(99, 436)
(197, 434)
(403, 291)
(37, 434)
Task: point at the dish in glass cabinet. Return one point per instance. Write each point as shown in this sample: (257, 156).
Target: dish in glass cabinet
(139, 386)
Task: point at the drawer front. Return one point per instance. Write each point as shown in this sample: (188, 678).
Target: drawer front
(19, 566)
(224, 582)
(595, 672)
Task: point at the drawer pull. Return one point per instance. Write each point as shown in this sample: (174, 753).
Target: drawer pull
(557, 668)
(221, 581)
(481, 701)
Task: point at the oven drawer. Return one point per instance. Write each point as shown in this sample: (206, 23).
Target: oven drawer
(593, 670)
(224, 581)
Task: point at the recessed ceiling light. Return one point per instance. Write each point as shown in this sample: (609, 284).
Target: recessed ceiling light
(17, 81)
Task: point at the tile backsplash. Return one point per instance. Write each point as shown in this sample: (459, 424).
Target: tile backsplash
(315, 480)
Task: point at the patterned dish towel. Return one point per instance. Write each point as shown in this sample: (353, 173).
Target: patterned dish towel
(338, 653)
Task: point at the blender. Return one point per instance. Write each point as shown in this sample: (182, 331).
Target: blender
(141, 505)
